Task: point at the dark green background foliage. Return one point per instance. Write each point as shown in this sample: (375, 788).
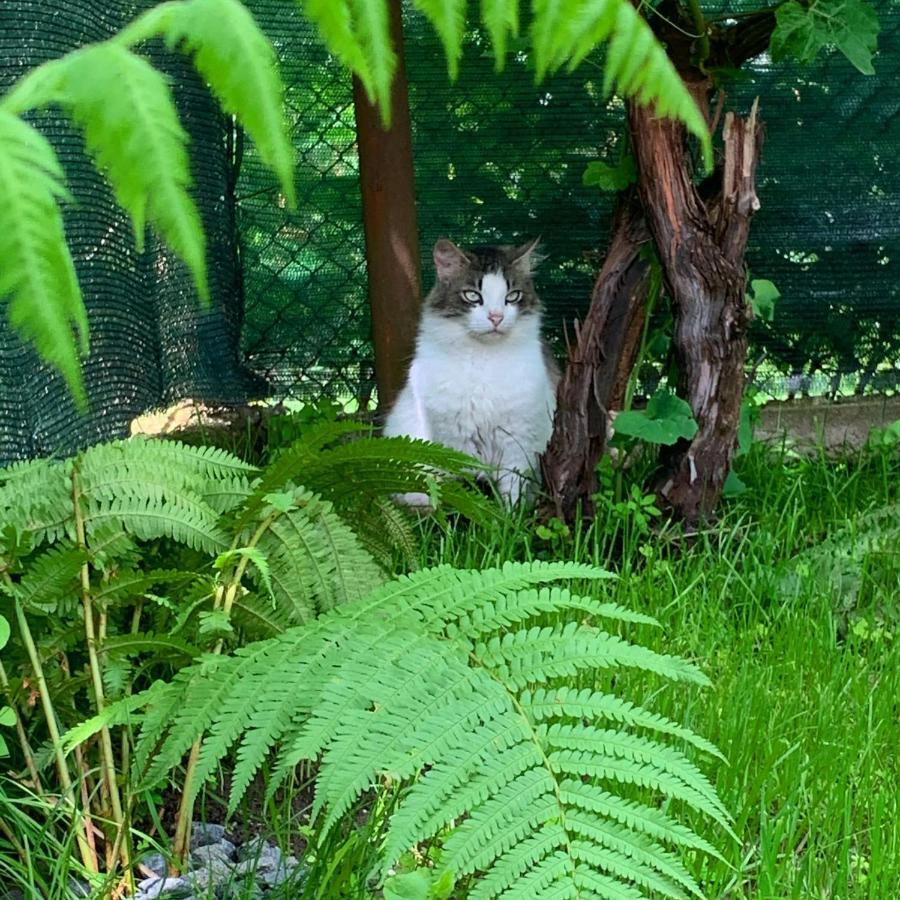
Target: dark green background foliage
(497, 159)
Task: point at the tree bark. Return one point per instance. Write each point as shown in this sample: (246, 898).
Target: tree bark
(599, 364)
(387, 183)
(701, 247)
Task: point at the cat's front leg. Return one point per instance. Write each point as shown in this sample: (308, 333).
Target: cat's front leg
(408, 418)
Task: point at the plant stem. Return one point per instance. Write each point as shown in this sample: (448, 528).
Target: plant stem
(702, 27)
(20, 732)
(224, 596)
(52, 727)
(106, 749)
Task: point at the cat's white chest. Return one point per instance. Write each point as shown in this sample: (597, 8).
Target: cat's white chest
(491, 400)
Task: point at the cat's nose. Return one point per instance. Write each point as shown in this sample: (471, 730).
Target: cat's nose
(495, 318)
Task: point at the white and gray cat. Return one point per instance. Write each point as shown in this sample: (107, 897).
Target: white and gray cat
(482, 380)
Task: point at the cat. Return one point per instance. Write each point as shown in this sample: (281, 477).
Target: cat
(482, 379)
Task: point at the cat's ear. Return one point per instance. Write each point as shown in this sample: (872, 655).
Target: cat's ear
(449, 260)
(527, 256)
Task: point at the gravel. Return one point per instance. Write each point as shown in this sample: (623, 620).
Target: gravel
(218, 869)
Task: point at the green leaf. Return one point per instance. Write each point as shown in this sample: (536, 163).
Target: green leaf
(501, 18)
(610, 178)
(409, 886)
(666, 420)
(214, 622)
(802, 31)
(449, 20)
(4, 632)
(241, 67)
(733, 486)
(762, 297)
(37, 274)
(7, 717)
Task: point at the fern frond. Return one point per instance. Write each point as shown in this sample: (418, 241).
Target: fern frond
(259, 616)
(449, 20)
(149, 514)
(636, 816)
(36, 497)
(566, 31)
(131, 129)
(497, 748)
(38, 275)
(49, 580)
(315, 560)
(501, 18)
(586, 704)
(239, 64)
(526, 656)
(335, 25)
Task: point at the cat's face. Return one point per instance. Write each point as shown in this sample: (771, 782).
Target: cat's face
(486, 290)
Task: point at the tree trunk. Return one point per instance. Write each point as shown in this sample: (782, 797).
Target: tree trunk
(600, 361)
(701, 247)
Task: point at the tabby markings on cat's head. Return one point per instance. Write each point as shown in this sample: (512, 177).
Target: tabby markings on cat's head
(488, 290)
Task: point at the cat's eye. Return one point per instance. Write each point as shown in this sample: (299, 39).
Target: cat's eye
(472, 297)
(513, 296)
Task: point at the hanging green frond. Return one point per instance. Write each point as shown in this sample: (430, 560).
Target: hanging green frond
(637, 66)
(38, 275)
(506, 766)
(216, 33)
(449, 20)
(501, 18)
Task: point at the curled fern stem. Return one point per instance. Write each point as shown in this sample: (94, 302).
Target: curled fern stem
(224, 596)
(53, 728)
(106, 747)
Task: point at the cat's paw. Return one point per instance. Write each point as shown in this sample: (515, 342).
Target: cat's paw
(417, 502)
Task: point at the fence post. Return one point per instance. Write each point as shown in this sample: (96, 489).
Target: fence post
(389, 219)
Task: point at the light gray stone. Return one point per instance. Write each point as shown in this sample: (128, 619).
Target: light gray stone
(156, 863)
(203, 834)
(222, 850)
(167, 888)
(211, 878)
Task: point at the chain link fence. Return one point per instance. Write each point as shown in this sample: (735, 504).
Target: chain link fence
(499, 159)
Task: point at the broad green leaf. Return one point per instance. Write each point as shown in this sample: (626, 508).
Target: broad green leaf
(762, 297)
(4, 632)
(804, 30)
(409, 886)
(501, 18)
(37, 274)
(733, 486)
(610, 178)
(666, 420)
(449, 20)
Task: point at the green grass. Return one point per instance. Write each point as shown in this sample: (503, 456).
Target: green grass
(795, 628)
(806, 675)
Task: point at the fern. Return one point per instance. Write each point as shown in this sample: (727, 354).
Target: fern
(505, 765)
(449, 20)
(217, 32)
(38, 274)
(501, 18)
(131, 128)
(566, 31)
